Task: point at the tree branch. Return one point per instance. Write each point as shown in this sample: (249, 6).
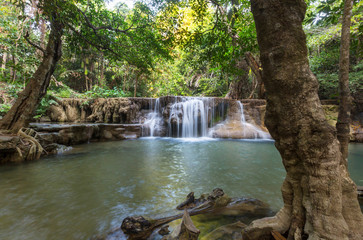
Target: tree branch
(33, 44)
(98, 46)
(89, 24)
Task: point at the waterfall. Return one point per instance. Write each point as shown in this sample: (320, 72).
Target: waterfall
(256, 131)
(189, 118)
(154, 119)
(192, 117)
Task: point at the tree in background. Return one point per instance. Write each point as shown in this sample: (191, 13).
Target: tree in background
(129, 38)
(343, 123)
(217, 42)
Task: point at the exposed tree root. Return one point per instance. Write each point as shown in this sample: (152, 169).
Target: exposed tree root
(36, 148)
(261, 228)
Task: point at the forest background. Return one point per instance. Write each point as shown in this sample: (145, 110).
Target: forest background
(185, 48)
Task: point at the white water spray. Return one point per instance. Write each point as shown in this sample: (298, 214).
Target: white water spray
(154, 119)
(189, 118)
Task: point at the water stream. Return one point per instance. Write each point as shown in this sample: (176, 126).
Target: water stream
(89, 190)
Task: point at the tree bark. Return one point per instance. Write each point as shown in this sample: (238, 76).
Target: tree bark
(138, 74)
(320, 199)
(13, 72)
(3, 64)
(257, 71)
(101, 82)
(23, 110)
(343, 123)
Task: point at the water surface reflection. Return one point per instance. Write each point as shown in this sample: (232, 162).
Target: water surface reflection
(92, 188)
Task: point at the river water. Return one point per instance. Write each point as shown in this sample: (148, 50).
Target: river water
(90, 189)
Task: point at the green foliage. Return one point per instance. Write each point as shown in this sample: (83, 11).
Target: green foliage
(44, 104)
(4, 108)
(17, 58)
(327, 61)
(328, 84)
(174, 48)
(13, 90)
(323, 30)
(98, 92)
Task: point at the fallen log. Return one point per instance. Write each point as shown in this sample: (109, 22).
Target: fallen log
(139, 227)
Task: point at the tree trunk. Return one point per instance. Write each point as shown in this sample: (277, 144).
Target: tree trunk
(42, 29)
(13, 72)
(101, 82)
(320, 199)
(23, 110)
(135, 86)
(257, 71)
(343, 123)
(3, 64)
(238, 89)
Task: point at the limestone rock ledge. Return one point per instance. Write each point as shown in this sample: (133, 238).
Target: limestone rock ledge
(55, 138)
(70, 134)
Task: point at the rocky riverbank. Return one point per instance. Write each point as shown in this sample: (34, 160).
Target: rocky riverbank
(76, 121)
(136, 110)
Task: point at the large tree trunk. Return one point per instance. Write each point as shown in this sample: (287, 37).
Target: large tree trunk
(320, 199)
(343, 123)
(23, 110)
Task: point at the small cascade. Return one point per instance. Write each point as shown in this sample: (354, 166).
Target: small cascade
(250, 129)
(189, 118)
(154, 120)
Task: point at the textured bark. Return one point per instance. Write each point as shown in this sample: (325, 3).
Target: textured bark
(135, 86)
(320, 200)
(13, 71)
(23, 110)
(3, 64)
(101, 66)
(257, 71)
(343, 123)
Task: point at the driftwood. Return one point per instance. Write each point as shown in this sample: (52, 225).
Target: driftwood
(188, 202)
(185, 230)
(141, 228)
(164, 230)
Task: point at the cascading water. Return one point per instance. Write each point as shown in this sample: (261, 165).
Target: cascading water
(189, 118)
(256, 131)
(154, 119)
(192, 117)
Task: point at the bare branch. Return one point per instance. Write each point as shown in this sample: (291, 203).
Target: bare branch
(33, 44)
